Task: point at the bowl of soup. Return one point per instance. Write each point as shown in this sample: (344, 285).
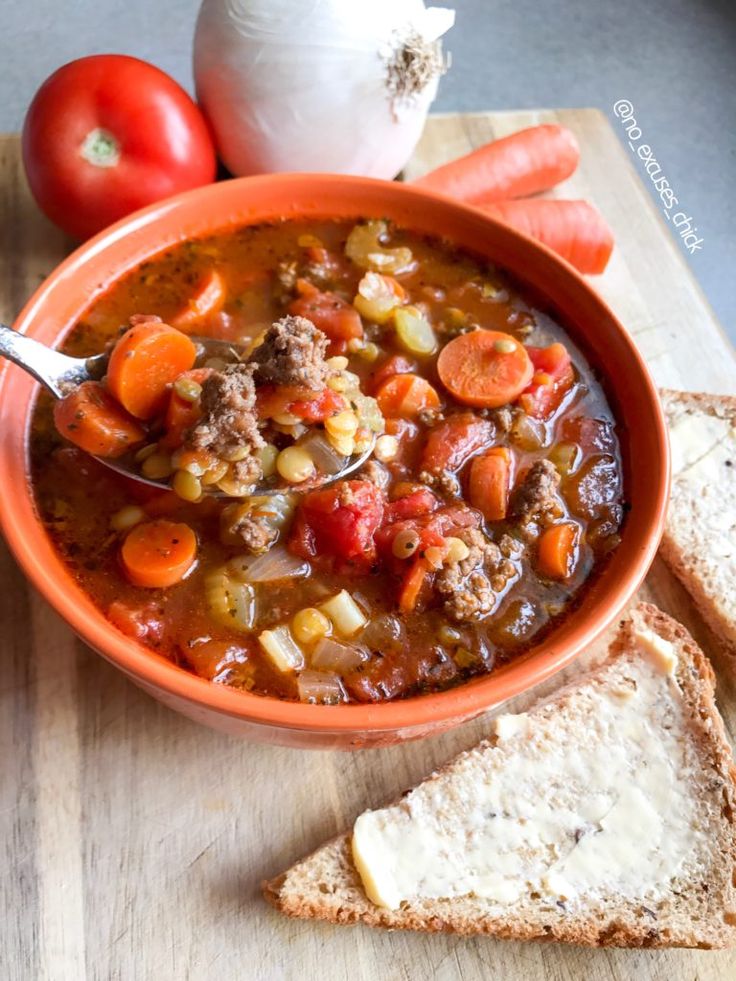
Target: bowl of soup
(509, 504)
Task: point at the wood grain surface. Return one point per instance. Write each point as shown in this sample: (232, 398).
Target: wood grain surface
(134, 841)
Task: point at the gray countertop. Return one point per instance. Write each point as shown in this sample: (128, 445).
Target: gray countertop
(673, 60)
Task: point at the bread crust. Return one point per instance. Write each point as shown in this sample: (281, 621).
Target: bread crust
(674, 552)
(712, 925)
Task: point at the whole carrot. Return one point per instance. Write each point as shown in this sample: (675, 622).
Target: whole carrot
(573, 229)
(515, 166)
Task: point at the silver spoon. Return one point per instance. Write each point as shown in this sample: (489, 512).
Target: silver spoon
(60, 373)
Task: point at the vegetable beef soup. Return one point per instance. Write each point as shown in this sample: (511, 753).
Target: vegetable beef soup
(490, 496)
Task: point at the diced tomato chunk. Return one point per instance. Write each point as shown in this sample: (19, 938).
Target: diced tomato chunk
(339, 522)
(419, 502)
(329, 313)
(451, 443)
(141, 623)
(553, 377)
(308, 405)
(327, 403)
(396, 364)
(591, 435)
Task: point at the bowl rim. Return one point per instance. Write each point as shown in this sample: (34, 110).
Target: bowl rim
(45, 569)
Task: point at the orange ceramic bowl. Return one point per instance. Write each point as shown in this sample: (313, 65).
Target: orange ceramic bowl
(90, 271)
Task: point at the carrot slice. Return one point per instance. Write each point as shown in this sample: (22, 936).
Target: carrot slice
(207, 300)
(411, 587)
(558, 547)
(573, 229)
(524, 163)
(485, 368)
(92, 419)
(146, 359)
(159, 553)
(490, 481)
(405, 396)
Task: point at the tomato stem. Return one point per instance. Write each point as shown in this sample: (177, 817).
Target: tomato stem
(100, 148)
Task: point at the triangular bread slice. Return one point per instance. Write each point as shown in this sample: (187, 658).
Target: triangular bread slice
(699, 542)
(629, 775)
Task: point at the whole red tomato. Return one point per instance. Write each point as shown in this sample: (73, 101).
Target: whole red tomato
(108, 134)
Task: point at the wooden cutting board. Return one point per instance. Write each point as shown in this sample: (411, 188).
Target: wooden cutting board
(135, 841)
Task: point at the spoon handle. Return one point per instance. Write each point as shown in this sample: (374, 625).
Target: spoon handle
(54, 370)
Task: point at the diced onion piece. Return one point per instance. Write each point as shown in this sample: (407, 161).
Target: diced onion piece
(365, 249)
(384, 633)
(347, 617)
(320, 688)
(377, 298)
(527, 433)
(231, 603)
(270, 566)
(414, 331)
(326, 458)
(331, 655)
(282, 649)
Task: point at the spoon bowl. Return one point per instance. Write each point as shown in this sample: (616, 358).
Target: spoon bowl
(60, 374)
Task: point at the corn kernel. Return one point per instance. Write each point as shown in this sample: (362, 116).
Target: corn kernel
(504, 346)
(386, 448)
(369, 352)
(285, 419)
(127, 517)
(144, 452)
(215, 473)
(344, 423)
(295, 464)
(232, 487)
(187, 389)
(187, 486)
(309, 625)
(355, 344)
(157, 466)
(268, 459)
(344, 445)
(457, 550)
(236, 455)
(338, 363)
(338, 383)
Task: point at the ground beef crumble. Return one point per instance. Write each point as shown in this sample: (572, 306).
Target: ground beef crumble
(229, 421)
(253, 529)
(535, 501)
(292, 353)
(472, 586)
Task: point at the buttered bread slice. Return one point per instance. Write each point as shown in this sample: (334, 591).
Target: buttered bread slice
(604, 816)
(699, 542)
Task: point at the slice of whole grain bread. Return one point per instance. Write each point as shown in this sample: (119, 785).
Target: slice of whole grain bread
(699, 542)
(695, 908)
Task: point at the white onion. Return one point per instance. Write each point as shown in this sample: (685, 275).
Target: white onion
(331, 655)
(326, 459)
(321, 688)
(333, 85)
(268, 567)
